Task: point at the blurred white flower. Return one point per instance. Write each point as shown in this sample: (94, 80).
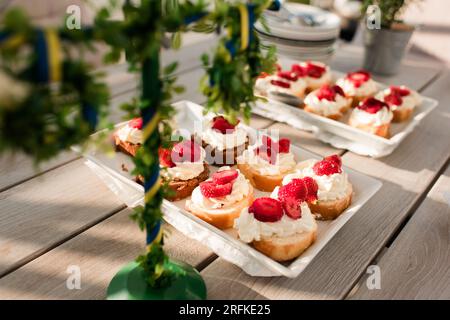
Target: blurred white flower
(12, 92)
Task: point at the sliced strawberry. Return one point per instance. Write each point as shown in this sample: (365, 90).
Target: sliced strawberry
(222, 125)
(393, 99)
(266, 209)
(292, 207)
(298, 70)
(294, 189)
(284, 145)
(186, 151)
(266, 141)
(311, 189)
(338, 90)
(335, 158)
(288, 75)
(136, 123)
(266, 154)
(209, 189)
(326, 168)
(280, 83)
(358, 77)
(402, 91)
(326, 92)
(165, 158)
(224, 176)
(314, 70)
(372, 105)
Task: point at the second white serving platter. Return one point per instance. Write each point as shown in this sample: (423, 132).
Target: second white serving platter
(115, 172)
(338, 133)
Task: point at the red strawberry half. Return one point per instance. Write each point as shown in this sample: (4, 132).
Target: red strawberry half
(311, 189)
(358, 77)
(165, 158)
(280, 83)
(266, 209)
(136, 123)
(338, 90)
(292, 207)
(284, 145)
(186, 151)
(372, 105)
(288, 75)
(327, 167)
(209, 189)
(225, 176)
(294, 189)
(393, 99)
(326, 92)
(298, 70)
(314, 70)
(402, 91)
(222, 125)
(335, 158)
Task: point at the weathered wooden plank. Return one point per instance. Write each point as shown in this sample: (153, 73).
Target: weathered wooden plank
(417, 264)
(406, 174)
(42, 212)
(99, 253)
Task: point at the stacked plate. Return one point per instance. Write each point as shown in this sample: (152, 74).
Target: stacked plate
(301, 32)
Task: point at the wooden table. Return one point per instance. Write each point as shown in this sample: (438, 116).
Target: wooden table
(64, 216)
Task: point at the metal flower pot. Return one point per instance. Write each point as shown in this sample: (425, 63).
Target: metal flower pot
(385, 48)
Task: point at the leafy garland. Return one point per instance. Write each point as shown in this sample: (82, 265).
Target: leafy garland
(38, 117)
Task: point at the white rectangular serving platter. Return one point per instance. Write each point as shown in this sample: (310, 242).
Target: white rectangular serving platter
(225, 243)
(339, 133)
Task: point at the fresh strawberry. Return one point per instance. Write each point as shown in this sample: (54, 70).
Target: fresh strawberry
(326, 167)
(311, 189)
(372, 105)
(209, 189)
(186, 151)
(294, 189)
(402, 91)
(288, 75)
(165, 158)
(284, 145)
(292, 207)
(358, 77)
(136, 123)
(224, 176)
(222, 125)
(266, 209)
(280, 83)
(314, 70)
(326, 92)
(335, 158)
(338, 90)
(393, 99)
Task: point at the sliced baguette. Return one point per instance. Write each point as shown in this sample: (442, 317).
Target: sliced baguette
(329, 210)
(261, 182)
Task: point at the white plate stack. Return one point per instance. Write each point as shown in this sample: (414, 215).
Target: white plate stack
(296, 37)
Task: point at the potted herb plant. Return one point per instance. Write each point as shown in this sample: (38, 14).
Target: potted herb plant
(386, 35)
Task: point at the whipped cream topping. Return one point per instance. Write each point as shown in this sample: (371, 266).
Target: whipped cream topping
(241, 190)
(264, 85)
(326, 107)
(383, 116)
(131, 135)
(186, 170)
(250, 229)
(331, 187)
(222, 141)
(284, 162)
(408, 102)
(367, 88)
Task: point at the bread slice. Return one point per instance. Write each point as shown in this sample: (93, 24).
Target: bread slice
(336, 116)
(222, 218)
(182, 188)
(382, 131)
(286, 248)
(126, 147)
(261, 182)
(401, 115)
(329, 210)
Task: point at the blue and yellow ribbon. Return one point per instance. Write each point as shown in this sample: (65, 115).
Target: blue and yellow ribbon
(48, 49)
